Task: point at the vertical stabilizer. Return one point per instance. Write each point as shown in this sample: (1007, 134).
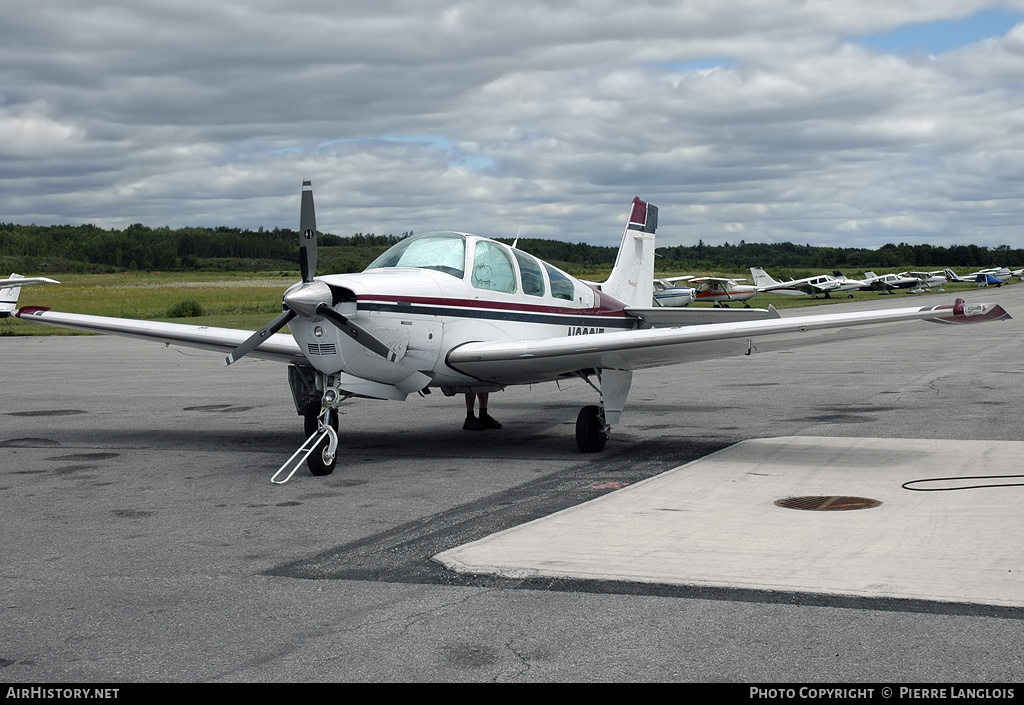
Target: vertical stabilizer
(9, 296)
(632, 278)
(761, 278)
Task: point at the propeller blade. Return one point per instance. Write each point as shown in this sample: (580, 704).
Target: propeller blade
(357, 333)
(253, 341)
(307, 234)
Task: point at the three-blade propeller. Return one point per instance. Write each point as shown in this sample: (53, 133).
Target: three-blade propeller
(310, 298)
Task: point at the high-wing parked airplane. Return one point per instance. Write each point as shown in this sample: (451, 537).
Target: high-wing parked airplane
(463, 313)
(821, 284)
(666, 293)
(721, 291)
(926, 281)
(1002, 273)
(10, 289)
(993, 276)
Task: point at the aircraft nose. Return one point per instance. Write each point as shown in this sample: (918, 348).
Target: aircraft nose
(304, 298)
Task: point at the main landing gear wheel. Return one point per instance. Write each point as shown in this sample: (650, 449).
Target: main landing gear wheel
(591, 430)
(317, 461)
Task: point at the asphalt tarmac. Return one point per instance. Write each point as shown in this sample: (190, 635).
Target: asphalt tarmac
(144, 541)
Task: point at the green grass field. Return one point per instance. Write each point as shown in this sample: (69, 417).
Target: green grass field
(246, 300)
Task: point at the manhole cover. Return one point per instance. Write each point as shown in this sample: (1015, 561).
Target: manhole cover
(827, 504)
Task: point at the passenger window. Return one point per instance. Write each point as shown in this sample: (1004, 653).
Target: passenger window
(533, 280)
(561, 285)
(492, 268)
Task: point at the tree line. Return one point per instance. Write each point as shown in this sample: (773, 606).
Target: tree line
(88, 248)
(786, 254)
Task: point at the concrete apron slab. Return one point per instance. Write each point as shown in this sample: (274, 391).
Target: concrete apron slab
(714, 522)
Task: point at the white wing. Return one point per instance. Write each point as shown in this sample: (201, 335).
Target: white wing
(522, 361)
(278, 347)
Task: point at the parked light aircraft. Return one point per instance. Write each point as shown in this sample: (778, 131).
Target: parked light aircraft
(821, 284)
(10, 289)
(463, 313)
(926, 281)
(721, 291)
(1002, 273)
(885, 283)
(666, 293)
(995, 276)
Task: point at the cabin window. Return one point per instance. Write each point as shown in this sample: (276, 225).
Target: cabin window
(561, 284)
(444, 252)
(533, 278)
(492, 268)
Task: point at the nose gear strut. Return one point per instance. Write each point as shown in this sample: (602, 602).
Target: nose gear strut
(324, 441)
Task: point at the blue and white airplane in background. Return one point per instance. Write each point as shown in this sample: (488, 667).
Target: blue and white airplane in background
(466, 314)
(993, 276)
(666, 293)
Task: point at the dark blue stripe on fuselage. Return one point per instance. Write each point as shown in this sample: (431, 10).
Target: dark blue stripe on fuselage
(552, 319)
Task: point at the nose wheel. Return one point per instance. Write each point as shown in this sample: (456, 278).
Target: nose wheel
(322, 460)
(319, 451)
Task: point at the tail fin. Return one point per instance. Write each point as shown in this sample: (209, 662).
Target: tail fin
(9, 296)
(10, 290)
(761, 277)
(632, 278)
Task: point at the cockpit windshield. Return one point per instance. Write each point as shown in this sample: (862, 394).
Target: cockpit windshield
(445, 252)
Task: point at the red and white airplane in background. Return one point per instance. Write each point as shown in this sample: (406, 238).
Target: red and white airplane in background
(721, 291)
(462, 313)
(717, 290)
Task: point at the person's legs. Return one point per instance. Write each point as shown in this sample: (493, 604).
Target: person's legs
(485, 419)
(472, 422)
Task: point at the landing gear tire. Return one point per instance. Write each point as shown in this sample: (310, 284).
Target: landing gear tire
(591, 430)
(317, 462)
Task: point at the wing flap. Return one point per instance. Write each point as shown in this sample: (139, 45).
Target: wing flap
(668, 317)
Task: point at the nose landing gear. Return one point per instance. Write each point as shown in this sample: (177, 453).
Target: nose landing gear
(319, 450)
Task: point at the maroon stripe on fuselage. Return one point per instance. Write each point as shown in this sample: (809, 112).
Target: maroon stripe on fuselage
(607, 306)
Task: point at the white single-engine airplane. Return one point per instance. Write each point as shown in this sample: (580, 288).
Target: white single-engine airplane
(820, 284)
(885, 283)
(666, 293)
(926, 281)
(463, 313)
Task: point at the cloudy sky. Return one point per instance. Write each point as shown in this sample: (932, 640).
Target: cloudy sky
(828, 122)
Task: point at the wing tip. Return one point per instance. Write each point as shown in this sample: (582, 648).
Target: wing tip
(962, 312)
(30, 310)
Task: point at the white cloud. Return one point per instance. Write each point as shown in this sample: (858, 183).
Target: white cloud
(744, 116)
